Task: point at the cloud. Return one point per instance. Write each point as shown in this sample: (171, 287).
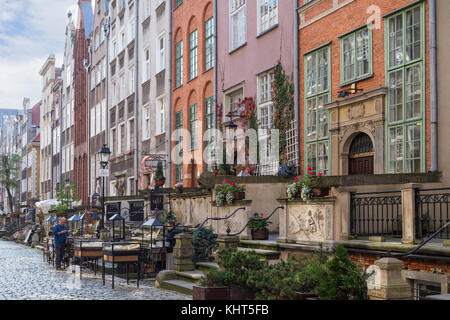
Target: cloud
(30, 30)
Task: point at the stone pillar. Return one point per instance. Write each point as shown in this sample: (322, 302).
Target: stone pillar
(283, 217)
(183, 252)
(409, 213)
(386, 282)
(228, 242)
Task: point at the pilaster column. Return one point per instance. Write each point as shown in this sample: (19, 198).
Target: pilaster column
(409, 213)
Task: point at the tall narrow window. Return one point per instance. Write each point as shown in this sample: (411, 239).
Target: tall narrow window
(160, 116)
(146, 66)
(193, 117)
(268, 14)
(160, 58)
(179, 64)
(316, 116)
(238, 27)
(193, 54)
(265, 103)
(179, 167)
(209, 113)
(405, 81)
(209, 44)
(356, 59)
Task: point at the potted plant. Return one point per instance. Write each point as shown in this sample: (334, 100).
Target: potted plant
(258, 227)
(179, 187)
(159, 175)
(302, 187)
(212, 287)
(229, 192)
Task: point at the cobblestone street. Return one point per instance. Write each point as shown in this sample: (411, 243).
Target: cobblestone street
(25, 276)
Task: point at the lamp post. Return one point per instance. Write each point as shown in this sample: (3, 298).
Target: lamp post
(104, 153)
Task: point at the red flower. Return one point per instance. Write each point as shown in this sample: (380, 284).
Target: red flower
(311, 173)
(223, 185)
(244, 185)
(262, 214)
(227, 181)
(296, 179)
(309, 169)
(233, 184)
(320, 174)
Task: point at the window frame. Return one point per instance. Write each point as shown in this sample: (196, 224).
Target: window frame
(193, 145)
(260, 31)
(317, 95)
(231, 14)
(419, 120)
(179, 64)
(193, 54)
(209, 44)
(356, 78)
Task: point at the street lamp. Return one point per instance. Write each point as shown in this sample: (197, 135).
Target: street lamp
(104, 154)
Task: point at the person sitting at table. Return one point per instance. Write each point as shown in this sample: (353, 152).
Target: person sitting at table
(60, 233)
(170, 238)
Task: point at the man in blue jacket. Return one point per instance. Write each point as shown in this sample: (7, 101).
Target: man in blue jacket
(60, 232)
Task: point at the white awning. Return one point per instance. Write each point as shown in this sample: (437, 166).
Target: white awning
(46, 204)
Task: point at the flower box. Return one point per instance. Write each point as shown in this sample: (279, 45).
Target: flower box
(210, 293)
(260, 234)
(321, 192)
(240, 195)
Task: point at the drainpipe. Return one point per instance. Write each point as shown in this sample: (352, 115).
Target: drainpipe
(60, 133)
(169, 133)
(215, 71)
(88, 113)
(136, 99)
(433, 87)
(296, 86)
(106, 29)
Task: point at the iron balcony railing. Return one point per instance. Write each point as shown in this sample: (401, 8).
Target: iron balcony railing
(376, 213)
(432, 211)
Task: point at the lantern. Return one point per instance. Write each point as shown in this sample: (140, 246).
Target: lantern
(75, 222)
(156, 233)
(118, 227)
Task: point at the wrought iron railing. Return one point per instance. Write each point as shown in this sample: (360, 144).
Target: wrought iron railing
(253, 219)
(376, 213)
(432, 211)
(215, 219)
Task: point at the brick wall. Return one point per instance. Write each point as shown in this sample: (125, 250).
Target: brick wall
(346, 19)
(189, 16)
(411, 264)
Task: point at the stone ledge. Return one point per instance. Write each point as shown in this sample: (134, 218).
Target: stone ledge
(236, 203)
(313, 201)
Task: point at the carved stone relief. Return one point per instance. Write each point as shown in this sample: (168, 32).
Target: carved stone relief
(310, 222)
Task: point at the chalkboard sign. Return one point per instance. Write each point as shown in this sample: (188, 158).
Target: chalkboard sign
(156, 202)
(112, 209)
(136, 210)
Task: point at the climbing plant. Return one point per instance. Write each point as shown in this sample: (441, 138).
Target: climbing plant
(283, 99)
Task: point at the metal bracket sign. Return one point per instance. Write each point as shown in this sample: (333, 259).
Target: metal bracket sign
(103, 173)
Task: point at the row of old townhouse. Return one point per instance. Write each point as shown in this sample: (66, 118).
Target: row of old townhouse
(365, 73)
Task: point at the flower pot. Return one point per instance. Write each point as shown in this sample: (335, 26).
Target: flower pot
(160, 183)
(239, 195)
(238, 293)
(321, 192)
(210, 293)
(260, 234)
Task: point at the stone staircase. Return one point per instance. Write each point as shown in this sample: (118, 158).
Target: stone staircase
(184, 282)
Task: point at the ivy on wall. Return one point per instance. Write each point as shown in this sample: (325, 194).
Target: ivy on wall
(283, 99)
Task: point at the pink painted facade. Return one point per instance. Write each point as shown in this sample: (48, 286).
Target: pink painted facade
(259, 51)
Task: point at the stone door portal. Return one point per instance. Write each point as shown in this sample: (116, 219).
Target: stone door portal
(361, 155)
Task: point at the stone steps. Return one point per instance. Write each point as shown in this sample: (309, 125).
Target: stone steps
(190, 276)
(178, 286)
(264, 254)
(205, 266)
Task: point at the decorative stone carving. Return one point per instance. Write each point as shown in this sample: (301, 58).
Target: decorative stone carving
(310, 222)
(356, 112)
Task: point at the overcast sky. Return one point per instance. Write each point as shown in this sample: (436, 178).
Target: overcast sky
(30, 30)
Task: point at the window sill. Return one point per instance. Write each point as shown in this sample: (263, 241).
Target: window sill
(145, 21)
(205, 71)
(178, 87)
(192, 79)
(365, 77)
(267, 31)
(145, 82)
(160, 73)
(160, 7)
(237, 48)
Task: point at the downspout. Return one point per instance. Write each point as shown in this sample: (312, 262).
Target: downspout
(169, 133)
(136, 100)
(88, 113)
(433, 87)
(60, 132)
(106, 29)
(296, 87)
(215, 74)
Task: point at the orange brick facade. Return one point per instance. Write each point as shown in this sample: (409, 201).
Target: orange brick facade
(189, 16)
(328, 29)
(365, 260)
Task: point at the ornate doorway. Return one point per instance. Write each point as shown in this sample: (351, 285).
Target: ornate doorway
(361, 155)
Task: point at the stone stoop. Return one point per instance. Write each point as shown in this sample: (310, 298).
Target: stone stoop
(205, 266)
(267, 250)
(179, 281)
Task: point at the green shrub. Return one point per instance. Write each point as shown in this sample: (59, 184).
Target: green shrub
(239, 266)
(342, 280)
(204, 242)
(213, 278)
(159, 174)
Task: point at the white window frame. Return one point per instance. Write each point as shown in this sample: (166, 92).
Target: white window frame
(146, 122)
(271, 17)
(146, 65)
(241, 13)
(265, 99)
(160, 118)
(161, 54)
